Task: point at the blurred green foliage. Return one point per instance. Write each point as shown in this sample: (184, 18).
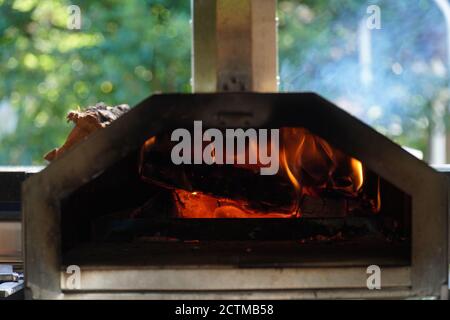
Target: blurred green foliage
(127, 50)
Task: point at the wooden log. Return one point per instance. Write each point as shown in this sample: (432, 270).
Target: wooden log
(262, 193)
(86, 122)
(232, 191)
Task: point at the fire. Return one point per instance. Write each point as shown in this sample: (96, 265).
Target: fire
(293, 180)
(313, 166)
(357, 171)
(148, 144)
(289, 173)
(310, 168)
(200, 205)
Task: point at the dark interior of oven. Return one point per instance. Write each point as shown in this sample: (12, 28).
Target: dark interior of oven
(122, 217)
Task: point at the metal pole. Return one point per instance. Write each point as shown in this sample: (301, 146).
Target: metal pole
(234, 45)
(438, 152)
(365, 53)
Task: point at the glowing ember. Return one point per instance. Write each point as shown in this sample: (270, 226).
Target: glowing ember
(316, 178)
(199, 205)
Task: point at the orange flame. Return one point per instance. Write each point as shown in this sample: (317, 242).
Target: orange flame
(310, 164)
(357, 172)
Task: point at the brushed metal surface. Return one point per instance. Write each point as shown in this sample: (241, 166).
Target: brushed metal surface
(234, 46)
(214, 278)
(427, 188)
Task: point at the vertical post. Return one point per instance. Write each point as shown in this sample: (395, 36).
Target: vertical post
(234, 45)
(365, 53)
(438, 152)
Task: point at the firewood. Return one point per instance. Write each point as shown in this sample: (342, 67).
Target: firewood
(202, 190)
(262, 193)
(86, 122)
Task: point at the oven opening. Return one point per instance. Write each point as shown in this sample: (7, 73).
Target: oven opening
(322, 207)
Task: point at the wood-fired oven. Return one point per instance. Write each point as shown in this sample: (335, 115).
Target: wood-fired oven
(138, 225)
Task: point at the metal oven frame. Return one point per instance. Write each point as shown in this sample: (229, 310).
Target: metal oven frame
(42, 193)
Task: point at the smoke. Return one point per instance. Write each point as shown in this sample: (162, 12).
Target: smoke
(391, 78)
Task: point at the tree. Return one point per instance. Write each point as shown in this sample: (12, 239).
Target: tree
(125, 51)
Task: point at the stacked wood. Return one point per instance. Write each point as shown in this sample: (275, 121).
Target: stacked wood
(86, 122)
(218, 190)
(257, 192)
(200, 205)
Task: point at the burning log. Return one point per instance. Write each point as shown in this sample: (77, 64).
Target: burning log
(86, 122)
(233, 182)
(200, 205)
(316, 167)
(237, 191)
(261, 193)
(315, 180)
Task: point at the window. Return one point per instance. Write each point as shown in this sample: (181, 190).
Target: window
(383, 61)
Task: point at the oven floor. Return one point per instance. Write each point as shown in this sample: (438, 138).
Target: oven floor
(238, 253)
